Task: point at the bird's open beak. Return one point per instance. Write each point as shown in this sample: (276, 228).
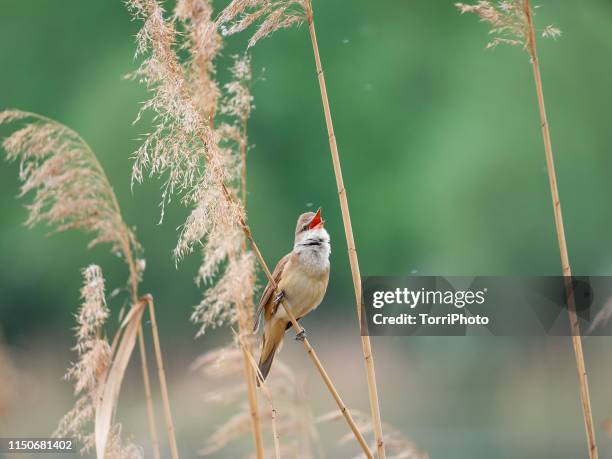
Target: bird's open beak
(317, 221)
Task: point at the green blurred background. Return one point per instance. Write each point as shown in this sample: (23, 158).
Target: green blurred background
(444, 166)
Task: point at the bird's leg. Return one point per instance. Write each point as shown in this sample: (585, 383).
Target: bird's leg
(279, 297)
(277, 300)
(301, 335)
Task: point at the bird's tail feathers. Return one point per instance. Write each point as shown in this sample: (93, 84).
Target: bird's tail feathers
(272, 338)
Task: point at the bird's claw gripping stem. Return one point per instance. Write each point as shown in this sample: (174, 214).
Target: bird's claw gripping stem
(279, 297)
(301, 335)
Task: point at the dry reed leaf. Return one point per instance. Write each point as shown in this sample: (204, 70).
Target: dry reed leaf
(105, 409)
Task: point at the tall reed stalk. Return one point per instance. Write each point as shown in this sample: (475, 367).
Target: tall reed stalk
(148, 395)
(162, 379)
(245, 328)
(565, 263)
(512, 23)
(366, 346)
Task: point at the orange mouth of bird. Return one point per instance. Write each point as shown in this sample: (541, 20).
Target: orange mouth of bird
(317, 221)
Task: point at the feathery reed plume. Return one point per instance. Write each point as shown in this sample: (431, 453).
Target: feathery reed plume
(73, 192)
(177, 147)
(272, 16)
(229, 298)
(203, 43)
(179, 131)
(512, 22)
(225, 243)
(508, 22)
(71, 189)
(289, 418)
(89, 372)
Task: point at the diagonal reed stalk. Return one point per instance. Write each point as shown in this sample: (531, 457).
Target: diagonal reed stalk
(565, 264)
(350, 241)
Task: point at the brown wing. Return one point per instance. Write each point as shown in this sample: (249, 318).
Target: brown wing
(267, 293)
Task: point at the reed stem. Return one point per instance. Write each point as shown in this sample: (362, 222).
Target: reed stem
(245, 333)
(253, 365)
(350, 241)
(162, 379)
(565, 264)
(148, 396)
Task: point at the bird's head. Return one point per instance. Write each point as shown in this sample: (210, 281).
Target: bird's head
(310, 224)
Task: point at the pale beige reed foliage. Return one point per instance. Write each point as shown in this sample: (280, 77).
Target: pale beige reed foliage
(269, 16)
(225, 244)
(183, 140)
(398, 446)
(507, 21)
(203, 43)
(196, 146)
(295, 424)
(218, 163)
(176, 149)
(89, 371)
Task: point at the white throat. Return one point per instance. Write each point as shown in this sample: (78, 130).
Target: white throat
(314, 248)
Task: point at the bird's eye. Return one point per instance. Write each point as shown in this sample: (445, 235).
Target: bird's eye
(304, 228)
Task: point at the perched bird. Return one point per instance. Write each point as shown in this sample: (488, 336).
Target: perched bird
(301, 277)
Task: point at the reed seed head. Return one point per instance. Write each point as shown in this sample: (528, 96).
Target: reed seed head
(507, 20)
(70, 188)
(269, 16)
